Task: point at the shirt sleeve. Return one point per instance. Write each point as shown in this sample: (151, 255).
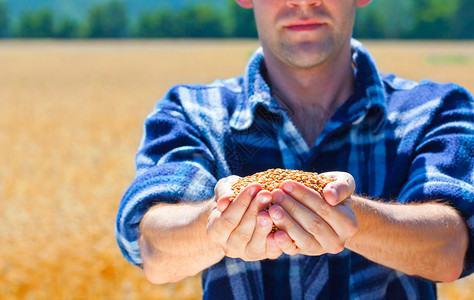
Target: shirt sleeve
(174, 165)
(443, 165)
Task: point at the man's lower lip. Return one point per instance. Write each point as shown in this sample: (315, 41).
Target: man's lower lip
(308, 27)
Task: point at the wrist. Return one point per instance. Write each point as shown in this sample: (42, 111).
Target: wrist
(367, 212)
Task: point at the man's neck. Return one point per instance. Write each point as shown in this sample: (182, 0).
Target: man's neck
(325, 87)
(312, 96)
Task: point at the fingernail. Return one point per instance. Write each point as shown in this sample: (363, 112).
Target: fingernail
(277, 214)
(288, 187)
(263, 221)
(264, 199)
(335, 194)
(253, 191)
(272, 242)
(278, 198)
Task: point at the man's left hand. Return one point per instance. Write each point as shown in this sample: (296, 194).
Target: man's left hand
(310, 224)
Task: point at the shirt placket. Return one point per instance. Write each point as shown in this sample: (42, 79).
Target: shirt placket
(293, 147)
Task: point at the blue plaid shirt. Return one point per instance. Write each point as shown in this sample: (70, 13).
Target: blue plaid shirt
(400, 140)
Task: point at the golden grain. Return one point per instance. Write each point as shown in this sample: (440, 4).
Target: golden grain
(272, 179)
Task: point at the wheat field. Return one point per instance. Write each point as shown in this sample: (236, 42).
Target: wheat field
(71, 116)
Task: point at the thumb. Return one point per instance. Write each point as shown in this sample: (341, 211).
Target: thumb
(342, 188)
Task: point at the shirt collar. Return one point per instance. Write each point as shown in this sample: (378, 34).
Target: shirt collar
(256, 91)
(369, 94)
(369, 91)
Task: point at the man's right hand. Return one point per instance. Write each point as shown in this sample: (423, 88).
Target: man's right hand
(242, 227)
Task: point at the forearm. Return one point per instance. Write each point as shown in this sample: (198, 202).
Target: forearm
(174, 244)
(428, 240)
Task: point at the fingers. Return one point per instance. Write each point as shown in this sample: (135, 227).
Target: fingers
(297, 193)
(314, 225)
(251, 239)
(298, 232)
(273, 249)
(337, 191)
(285, 243)
(225, 185)
(257, 247)
(244, 232)
(223, 191)
(237, 208)
(222, 224)
(223, 203)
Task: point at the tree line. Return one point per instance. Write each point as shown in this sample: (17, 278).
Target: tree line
(110, 20)
(453, 19)
(381, 19)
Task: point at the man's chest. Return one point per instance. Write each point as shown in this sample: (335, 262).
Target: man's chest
(368, 157)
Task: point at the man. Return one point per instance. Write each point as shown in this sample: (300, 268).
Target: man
(311, 99)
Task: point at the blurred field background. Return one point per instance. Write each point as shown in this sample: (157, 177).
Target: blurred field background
(71, 116)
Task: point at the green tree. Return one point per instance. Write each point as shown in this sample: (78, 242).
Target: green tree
(108, 20)
(4, 19)
(432, 10)
(158, 24)
(242, 21)
(463, 21)
(415, 19)
(67, 29)
(434, 18)
(38, 24)
(199, 21)
(385, 19)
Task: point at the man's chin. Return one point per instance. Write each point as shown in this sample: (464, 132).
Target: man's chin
(305, 55)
